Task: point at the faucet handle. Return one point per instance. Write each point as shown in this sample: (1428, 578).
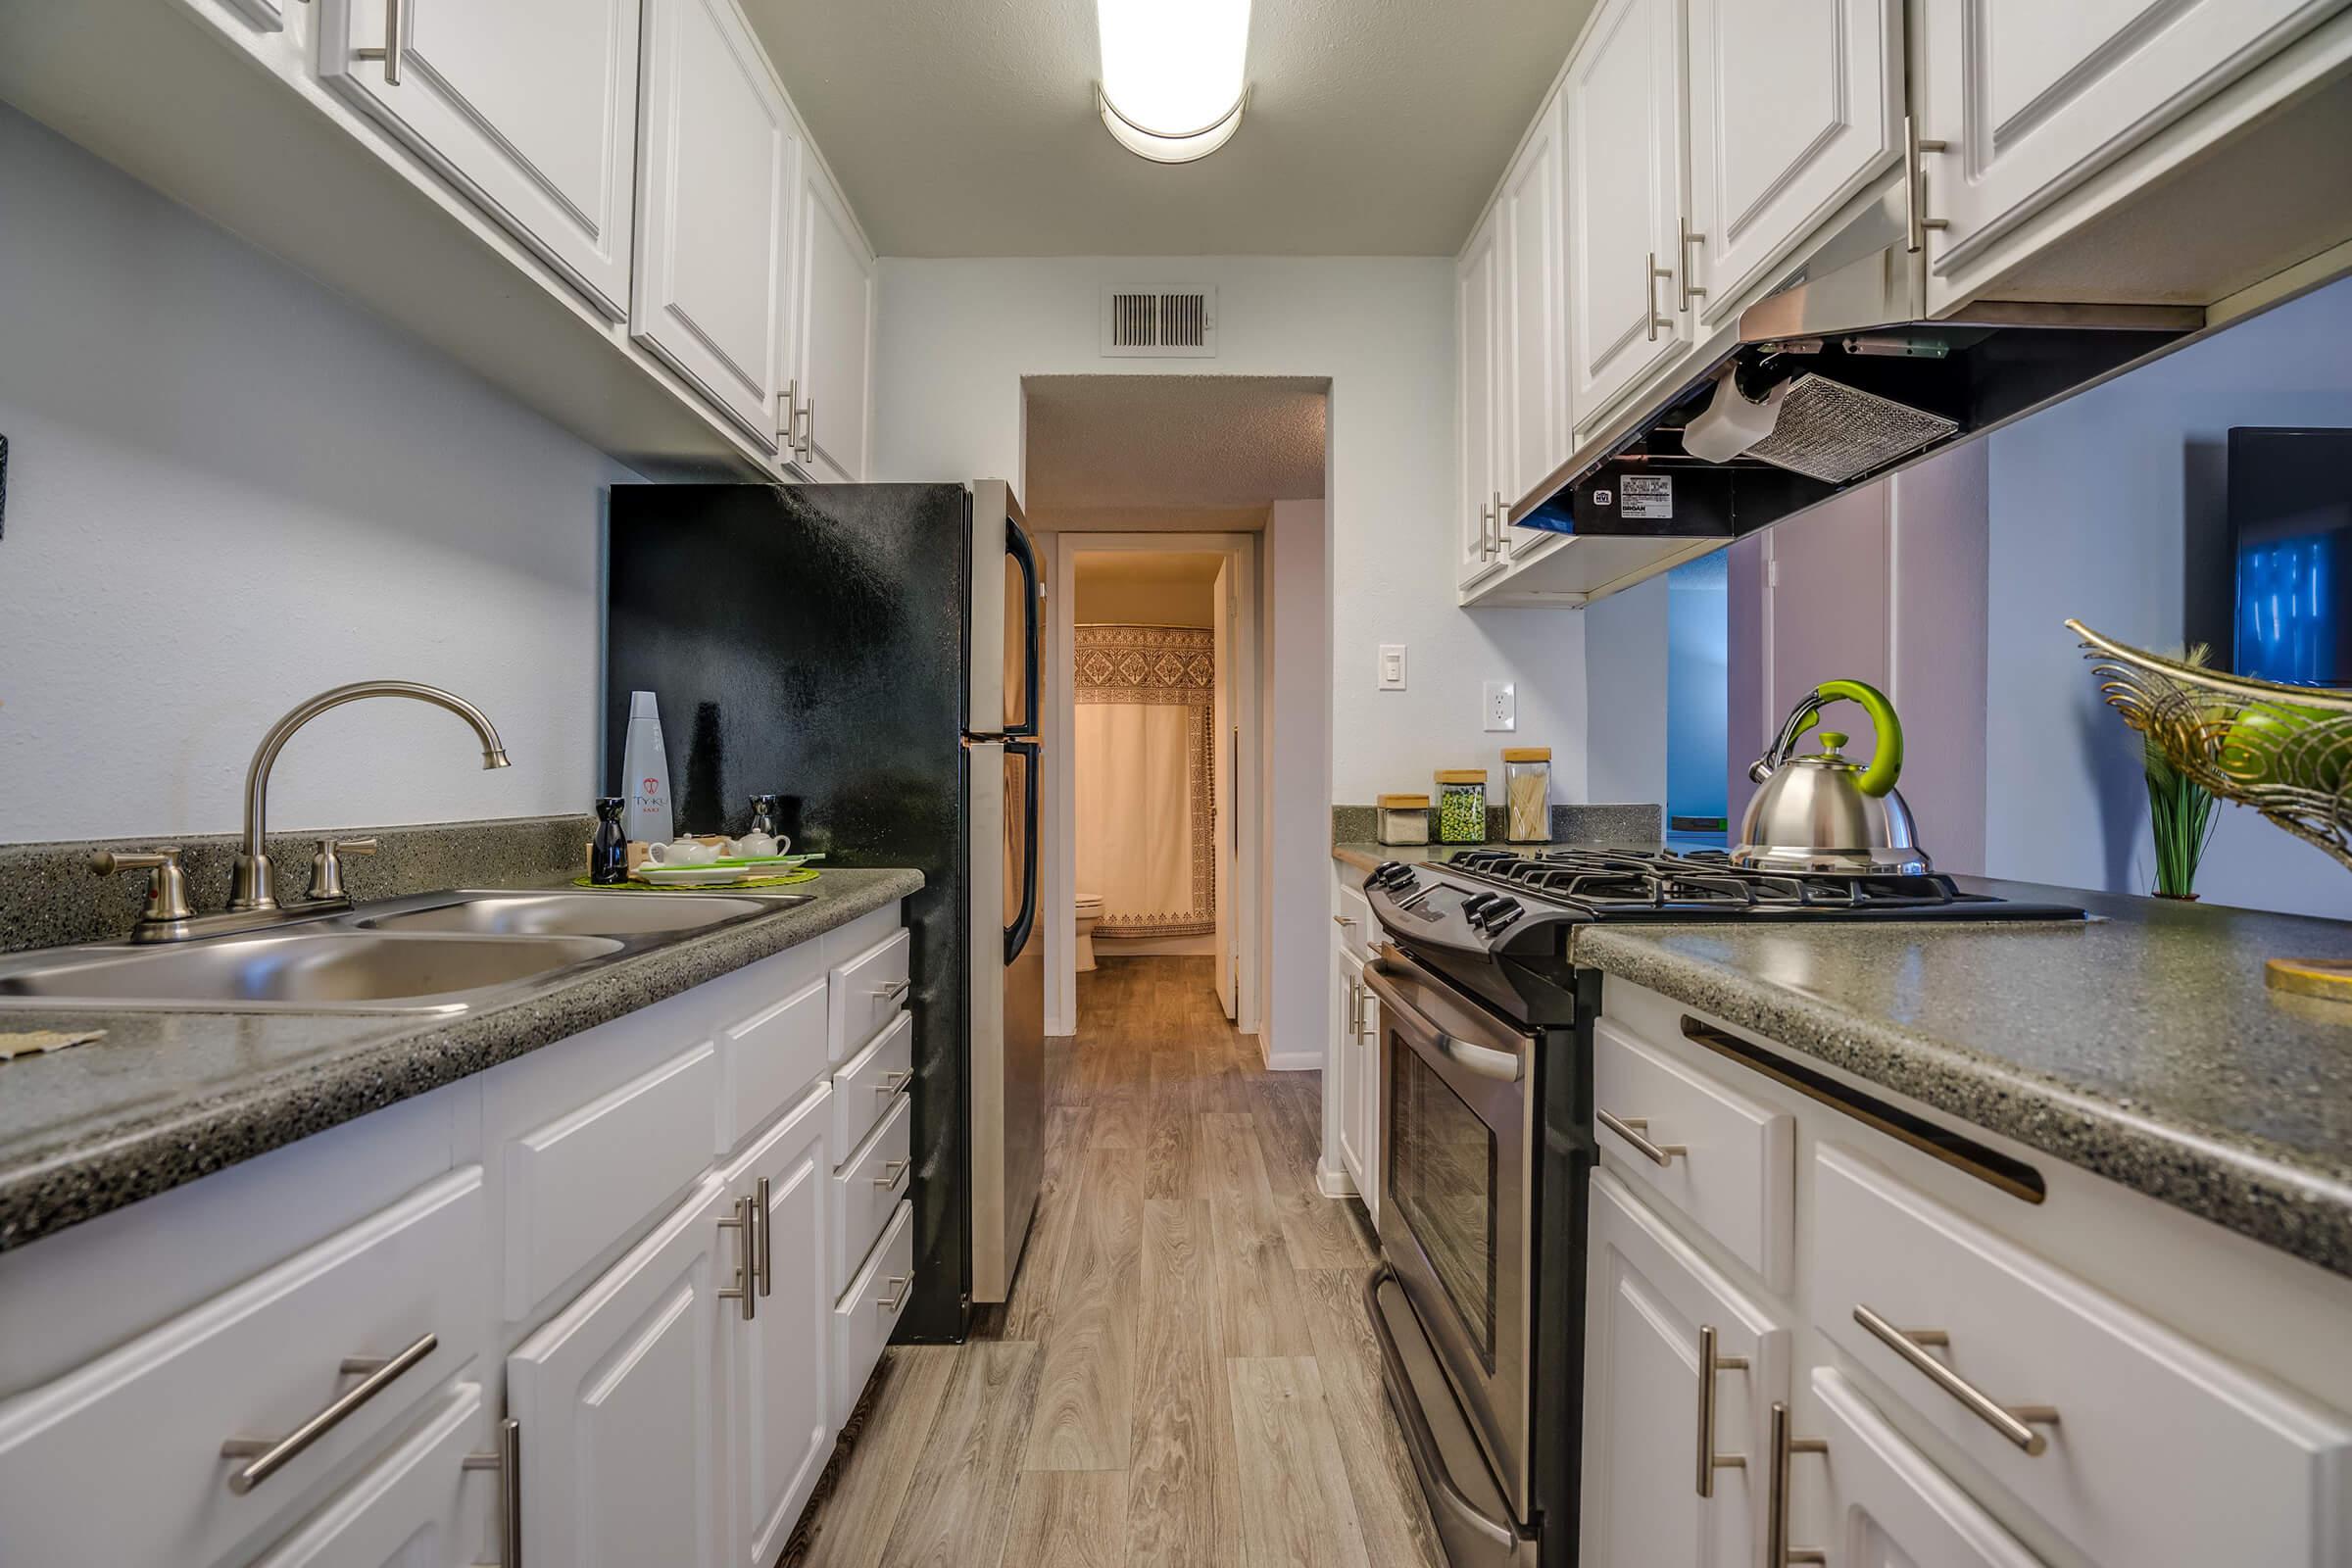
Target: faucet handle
(167, 883)
(326, 866)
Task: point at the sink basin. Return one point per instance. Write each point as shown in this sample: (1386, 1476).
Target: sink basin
(573, 914)
(314, 972)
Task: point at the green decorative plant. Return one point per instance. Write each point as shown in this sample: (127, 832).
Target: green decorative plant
(2180, 811)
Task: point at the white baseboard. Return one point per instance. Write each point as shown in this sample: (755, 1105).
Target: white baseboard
(1287, 1060)
(1333, 1183)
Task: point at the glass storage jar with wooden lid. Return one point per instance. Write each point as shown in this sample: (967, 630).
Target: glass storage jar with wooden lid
(1527, 794)
(1462, 805)
(1403, 818)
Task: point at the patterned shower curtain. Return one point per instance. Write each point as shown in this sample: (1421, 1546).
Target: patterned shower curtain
(1144, 761)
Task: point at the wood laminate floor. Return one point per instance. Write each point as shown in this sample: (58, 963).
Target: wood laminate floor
(1184, 1377)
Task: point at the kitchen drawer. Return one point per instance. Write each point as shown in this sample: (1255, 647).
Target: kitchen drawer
(870, 1310)
(868, 1186)
(405, 1508)
(867, 991)
(771, 1058)
(1355, 922)
(867, 1087)
(1734, 1174)
(576, 1186)
(120, 1461)
(2162, 1452)
(1885, 1498)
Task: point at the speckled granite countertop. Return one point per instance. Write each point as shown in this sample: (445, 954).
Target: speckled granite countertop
(2142, 1046)
(169, 1097)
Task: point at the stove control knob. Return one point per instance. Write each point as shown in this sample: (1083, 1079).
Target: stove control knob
(1502, 912)
(1476, 906)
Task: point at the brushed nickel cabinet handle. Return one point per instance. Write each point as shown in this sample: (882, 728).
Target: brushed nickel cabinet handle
(1486, 532)
(1649, 296)
(389, 54)
(893, 1173)
(893, 1082)
(1502, 526)
(1710, 1363)
(746, 1229)
(891, 1304)
(1778, 1553)
(760, 1204)
(809, 441)
(2015, 1422)
(1914, 187)
(1342, 920)
(507, 1461)
(1633, 1130)
(1690, 290)
(271, 1455)
(790, 398)
(896, 991)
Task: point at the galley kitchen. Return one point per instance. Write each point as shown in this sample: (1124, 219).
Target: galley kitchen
(1130, 784)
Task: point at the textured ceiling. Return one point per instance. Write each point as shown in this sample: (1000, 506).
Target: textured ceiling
(967, 127)
(1154, 451)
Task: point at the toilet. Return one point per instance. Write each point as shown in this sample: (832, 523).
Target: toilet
(1090, 909)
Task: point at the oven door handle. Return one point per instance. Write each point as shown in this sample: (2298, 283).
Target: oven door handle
(1507, 1066)
(1421, 1442)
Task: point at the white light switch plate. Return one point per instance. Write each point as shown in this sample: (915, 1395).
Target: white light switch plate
(1391, 666)
(1500, 705)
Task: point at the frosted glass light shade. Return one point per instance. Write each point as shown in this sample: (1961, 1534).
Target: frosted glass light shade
(1174, 75)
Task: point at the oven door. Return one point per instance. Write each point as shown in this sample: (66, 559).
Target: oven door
(1456, 1206)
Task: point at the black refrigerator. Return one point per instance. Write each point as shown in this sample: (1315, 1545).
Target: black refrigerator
(871, 654)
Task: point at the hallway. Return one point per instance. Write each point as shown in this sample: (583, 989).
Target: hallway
(1184, 1377)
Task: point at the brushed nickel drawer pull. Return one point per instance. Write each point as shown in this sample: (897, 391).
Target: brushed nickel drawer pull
(1690, 290)
(1341, 919)
(1778, 1553)
(896, 991)
(2015, 1422)
(1710, 1363)
(1649, 297)
(891, 1304)
(1915, 188)
(747, 1227)
(893, 1173)
(1631, 1129)
(389, 54)
(894, 1080)
(270, 1455)
(507, 1461)
(760, 1206)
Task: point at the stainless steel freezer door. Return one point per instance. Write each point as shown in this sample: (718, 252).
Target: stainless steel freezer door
(1006, 965)
(1006, 618)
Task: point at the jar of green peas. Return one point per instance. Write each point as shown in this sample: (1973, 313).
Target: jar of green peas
(1462, 805)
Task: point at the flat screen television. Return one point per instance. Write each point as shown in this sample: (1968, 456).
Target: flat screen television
(2290, 536)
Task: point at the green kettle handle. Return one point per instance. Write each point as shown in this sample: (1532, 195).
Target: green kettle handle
(1887, 764)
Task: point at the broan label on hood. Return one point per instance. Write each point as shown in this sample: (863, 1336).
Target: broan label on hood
(1647, 495)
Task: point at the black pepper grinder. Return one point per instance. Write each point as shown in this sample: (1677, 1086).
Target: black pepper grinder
(608, 852)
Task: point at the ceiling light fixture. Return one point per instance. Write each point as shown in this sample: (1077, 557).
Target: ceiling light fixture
(1174, 75)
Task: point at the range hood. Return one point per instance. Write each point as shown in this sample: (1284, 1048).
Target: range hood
(1832, 381)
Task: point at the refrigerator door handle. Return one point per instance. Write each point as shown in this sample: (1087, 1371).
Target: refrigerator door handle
(1024, 555)
(1016, 935)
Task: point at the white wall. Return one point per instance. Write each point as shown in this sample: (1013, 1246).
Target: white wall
(229, 489)
(1624, 676)
(1295, 870)
(956, 337)
(2089, 501)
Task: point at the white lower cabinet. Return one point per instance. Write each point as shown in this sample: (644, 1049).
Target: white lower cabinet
(1654, 1312)
(1355, 1074)
(775, 1361)
(409, 1510)
(1871, 1500)
(867, 1311)
(625, 1414)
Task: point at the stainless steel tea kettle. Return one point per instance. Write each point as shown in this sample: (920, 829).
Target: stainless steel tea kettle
(1826, 813)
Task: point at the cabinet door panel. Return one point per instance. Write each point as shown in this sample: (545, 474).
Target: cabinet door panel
(1624, 136)
(2031, 97)
(1795, 106)
(1477, 307)
(722, 160)
(1648, 1297)
(1347, 1063)
(784, 1428)
(837, 304)
(624, 1413)
(1887, 1506)
(528, 106)
(1532, 342)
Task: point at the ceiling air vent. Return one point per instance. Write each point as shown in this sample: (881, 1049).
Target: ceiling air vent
(1165, 321)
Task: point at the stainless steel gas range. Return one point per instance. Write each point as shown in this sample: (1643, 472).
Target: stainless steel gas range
(1485, 1109)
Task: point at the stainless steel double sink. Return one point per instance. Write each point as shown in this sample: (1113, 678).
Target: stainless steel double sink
(431, 953)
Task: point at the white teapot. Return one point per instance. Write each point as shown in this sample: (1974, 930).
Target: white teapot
(685, 852)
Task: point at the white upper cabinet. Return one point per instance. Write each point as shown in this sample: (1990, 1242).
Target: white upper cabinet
(528, 106)
(1625, 210)
(835, 330)
(1478, 293)
(1533, 340)
(2028, 97)
(722, 157)
(1795, 106)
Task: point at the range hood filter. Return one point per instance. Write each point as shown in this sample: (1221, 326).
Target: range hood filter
(1830, 432)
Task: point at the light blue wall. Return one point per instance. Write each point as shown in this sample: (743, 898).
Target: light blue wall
(1696, 692)
(2090, 509)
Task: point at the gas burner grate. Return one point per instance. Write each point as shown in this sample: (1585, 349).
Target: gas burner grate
(1626, 882)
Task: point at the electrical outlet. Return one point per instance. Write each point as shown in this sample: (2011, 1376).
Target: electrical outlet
(1500, 705)
(1391, 666)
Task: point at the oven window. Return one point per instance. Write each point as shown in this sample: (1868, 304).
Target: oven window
(1442, 1178)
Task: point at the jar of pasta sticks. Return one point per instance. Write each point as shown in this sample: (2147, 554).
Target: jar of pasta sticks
(1462, 805)
(1527, 794)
